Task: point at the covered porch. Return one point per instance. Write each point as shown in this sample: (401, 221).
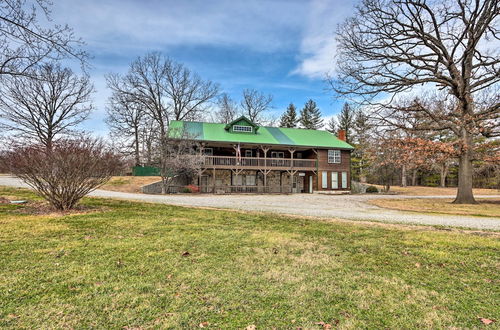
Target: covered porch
(225, 181)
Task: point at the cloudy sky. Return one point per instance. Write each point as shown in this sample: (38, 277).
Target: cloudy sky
(281, 47)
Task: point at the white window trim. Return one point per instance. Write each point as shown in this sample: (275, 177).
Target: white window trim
(334, 156)
(242, 128)
(344, 180)
(335, 180)
(249, 151)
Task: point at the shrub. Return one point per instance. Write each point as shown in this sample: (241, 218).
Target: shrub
(67, 171)
(186, 190)
(194, 188)
(371, 189)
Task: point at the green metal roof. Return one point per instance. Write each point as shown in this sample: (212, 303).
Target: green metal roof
(265, 135)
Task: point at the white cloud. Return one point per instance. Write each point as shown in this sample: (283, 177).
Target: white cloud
(318, 45)
(127, 25)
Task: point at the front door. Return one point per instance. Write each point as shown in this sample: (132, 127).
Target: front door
(294, 184)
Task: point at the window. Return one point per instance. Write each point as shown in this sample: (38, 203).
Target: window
(277, 154)
(298, 155)
(344, 180)
(250, 180)
(333, 156)
(208, 151)
(248, 153)
(238, 180)
(335, 180)
(241, 128)
(324, 180)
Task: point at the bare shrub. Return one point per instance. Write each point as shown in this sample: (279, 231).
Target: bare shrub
(65, 173)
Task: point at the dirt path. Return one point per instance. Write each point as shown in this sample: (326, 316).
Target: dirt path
(352, 207)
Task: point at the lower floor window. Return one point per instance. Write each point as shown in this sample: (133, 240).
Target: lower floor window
(344, 180)
(335, 180)
(244, 180)
(324, 180)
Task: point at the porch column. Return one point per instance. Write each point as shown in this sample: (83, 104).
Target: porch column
(213, 181)
(265, 150)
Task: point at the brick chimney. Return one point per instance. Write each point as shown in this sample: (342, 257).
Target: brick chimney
(341, 134)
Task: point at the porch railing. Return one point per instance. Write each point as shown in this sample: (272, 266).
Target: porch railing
(246, 189)
(259, 162)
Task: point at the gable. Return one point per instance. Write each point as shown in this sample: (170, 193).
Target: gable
(242, 125)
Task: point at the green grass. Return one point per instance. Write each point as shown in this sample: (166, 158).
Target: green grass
(123, 266)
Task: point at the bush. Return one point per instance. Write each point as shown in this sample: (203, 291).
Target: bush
(66, 172)
(371, 189)
(194, 188)
(190, 189)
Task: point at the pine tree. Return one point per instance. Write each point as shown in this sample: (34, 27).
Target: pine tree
(331, 126)
(289, 117)
(346, 120)
(310, 116)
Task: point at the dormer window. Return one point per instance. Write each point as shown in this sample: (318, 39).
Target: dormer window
(242, 125)
(242, 128)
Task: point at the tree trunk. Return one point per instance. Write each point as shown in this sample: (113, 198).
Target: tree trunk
(136, 142)
(464, 193)
(443, 174)
(403, 176)
(414, 178)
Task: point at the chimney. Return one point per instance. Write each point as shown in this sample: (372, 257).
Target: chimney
(341, 134)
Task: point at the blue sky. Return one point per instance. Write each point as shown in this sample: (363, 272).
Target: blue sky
(281, 47)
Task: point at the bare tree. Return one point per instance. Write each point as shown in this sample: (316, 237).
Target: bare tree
(189, 95)
(67, 172)
(181, 158)
(254, 105)
(392, 46)
(227, 109)
(25, 42)
(47, 106)
(124, 116)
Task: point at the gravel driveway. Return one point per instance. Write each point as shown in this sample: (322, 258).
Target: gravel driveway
(352, 207)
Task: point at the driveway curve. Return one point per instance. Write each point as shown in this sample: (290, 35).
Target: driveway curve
(351, 207)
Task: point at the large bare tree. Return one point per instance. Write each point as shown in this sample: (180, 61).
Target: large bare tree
(47, 105)
(166, 90)
(26, 42)
(392, 46)
(227, 109)
(124, 118)
(255, 104)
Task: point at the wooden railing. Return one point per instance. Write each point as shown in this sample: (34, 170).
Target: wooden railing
(257, 162)
(246, 189)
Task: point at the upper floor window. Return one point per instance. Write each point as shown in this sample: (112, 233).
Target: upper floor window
(242, 128)
(333, 156)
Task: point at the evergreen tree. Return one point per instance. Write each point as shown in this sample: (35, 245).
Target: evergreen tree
(331, 126)
(361, 139)
(289, 117)
(346, 120)
(310, 116)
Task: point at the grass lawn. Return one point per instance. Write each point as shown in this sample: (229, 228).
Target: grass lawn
(436, 191)
(485, 208)
(132, 265)
(131, 184)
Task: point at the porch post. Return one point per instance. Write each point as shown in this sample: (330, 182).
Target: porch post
(265, 150)
(213, 179)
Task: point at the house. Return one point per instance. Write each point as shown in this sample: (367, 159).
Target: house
(244, 157)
